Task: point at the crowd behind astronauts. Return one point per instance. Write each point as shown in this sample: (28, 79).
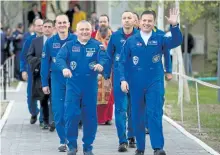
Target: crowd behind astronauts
(63, 70)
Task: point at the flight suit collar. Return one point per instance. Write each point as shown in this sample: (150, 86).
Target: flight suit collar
(89, 41)
(122, 31)
(58, 37)
(139, 38)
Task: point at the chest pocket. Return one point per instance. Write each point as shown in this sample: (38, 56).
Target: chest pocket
(90, 58)
(137, 55)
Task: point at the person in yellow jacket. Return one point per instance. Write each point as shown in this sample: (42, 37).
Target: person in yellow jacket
(77, 16)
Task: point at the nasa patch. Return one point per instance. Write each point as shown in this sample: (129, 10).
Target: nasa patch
(156, 58)
(135, 60)
(73, 65)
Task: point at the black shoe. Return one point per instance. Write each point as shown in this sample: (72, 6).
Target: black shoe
(33, 119)
(146, 131)
(131, 143)
(108, 123)
(123, 147)
(137, 152)
(159, 152)
(52, 127)
(45, 126)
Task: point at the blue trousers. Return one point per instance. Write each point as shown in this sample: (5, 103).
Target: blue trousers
(32, 104)
(81, 100)
(58, 90)
(122, 112)
(152, 110)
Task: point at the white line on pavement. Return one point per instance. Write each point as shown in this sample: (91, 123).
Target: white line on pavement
(6, 114)
(189, 135)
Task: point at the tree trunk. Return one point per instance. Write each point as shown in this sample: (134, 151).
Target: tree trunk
(186, 58)
(206, 40)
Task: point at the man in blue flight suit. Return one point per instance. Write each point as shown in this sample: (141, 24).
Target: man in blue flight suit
(122, 106)
(26, 72)
(143, 53)
(167, 62)
(79, 61)
(58, 82)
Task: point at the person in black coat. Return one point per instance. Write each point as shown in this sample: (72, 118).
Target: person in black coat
(34, 13)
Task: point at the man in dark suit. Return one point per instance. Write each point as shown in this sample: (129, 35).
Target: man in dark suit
(34, 60)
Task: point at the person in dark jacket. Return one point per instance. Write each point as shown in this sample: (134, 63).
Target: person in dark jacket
(17, 38)
(34, 60)
(190, 46)
(34, 14)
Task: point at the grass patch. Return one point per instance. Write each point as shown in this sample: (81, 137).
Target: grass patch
(209, 112)
(4, 105)
(14, 84)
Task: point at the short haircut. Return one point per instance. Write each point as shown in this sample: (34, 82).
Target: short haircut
(78, 6)
(136, 14)
(83, 22)
(149, 12)
(126, 11)
(35, 20)
(48, 21)
(104, 15)
(61, 15)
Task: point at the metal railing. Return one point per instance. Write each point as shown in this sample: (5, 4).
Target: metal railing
(180, 94)
(7, 74)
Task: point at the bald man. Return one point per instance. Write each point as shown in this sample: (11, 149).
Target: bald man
(81, 61)
(58, 82)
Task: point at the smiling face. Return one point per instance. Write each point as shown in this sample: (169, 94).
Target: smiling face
(84, 31)
(147, 23)
(62, 24)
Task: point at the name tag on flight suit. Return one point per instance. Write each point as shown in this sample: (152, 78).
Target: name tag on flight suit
(89, 52)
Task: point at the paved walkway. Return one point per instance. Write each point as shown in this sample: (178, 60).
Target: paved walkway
(20, 138)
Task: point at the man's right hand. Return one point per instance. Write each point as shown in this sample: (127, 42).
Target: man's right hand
(67, 73)
(46, 90)
(124, 86)
(24, 76)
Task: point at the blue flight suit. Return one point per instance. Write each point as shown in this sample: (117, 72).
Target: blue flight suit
(167, 59)
(121, 99)
(24, 67)
(58, 82)
(83, 85)
(146, 78)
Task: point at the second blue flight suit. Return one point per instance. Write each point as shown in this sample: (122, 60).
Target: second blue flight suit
(121, 99)
(83, 85)
(58, 82)
(24, 67)
(146, 81)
